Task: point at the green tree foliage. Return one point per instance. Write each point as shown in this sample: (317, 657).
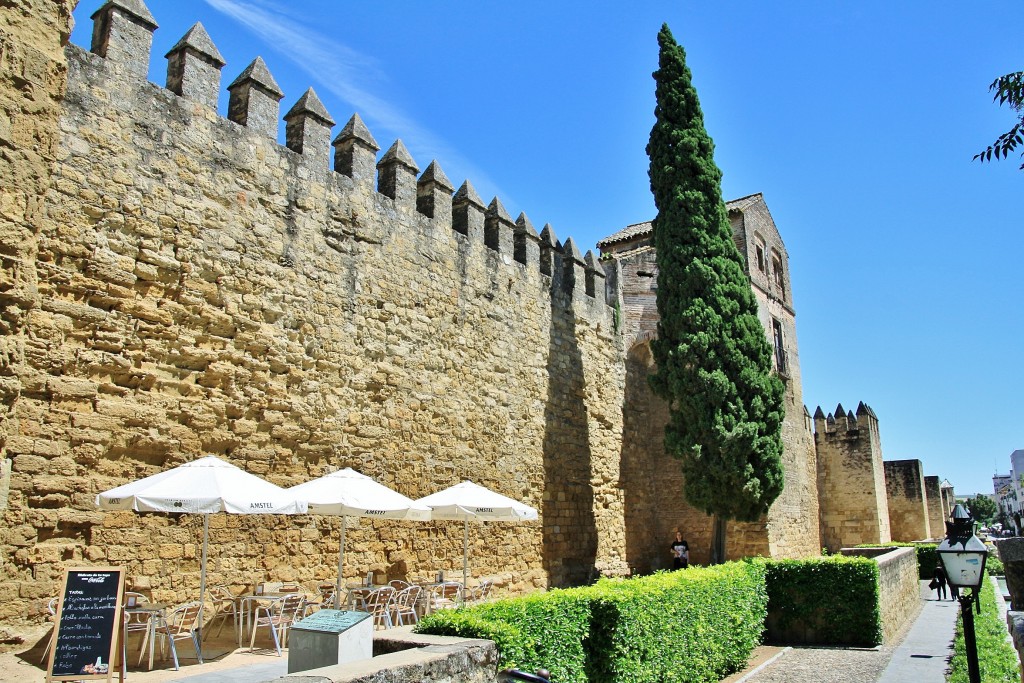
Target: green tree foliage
(983, 509)
(713, 358)
(1008, 89)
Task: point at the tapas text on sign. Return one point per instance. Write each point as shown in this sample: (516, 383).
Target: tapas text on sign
(87, 624)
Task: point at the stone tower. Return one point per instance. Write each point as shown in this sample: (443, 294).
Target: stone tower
(908, 505)
(936, 512)
(652, 481)
(851, 478)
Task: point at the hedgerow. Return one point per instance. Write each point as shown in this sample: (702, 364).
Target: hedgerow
(696, 625)
(826, 601)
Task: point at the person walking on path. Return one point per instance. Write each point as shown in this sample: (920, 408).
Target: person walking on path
(939, 581)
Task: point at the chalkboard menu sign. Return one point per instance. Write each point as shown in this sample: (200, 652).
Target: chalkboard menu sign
(87, 624)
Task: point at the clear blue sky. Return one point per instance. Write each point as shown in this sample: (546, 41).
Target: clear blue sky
(857, 121)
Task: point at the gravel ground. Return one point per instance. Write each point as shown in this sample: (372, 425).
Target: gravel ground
(827, 665)
(824, 665)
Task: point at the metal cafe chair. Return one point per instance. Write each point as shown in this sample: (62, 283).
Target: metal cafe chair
(137, 622)
(403, 606)
(378, 604)
(480, 593)
(356, 598)
(183, 623)
(445, 595)
(278, 616)
(225, 607)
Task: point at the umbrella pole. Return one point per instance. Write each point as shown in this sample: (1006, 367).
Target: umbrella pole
(341, 562)
(465, 556)
(202, 574)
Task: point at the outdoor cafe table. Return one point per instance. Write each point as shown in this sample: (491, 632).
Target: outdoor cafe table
(154, 612)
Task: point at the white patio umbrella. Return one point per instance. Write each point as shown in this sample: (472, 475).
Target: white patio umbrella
(468, 501)
(203, 487)
(347, 493)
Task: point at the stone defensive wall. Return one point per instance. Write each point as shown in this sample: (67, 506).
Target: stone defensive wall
(188, 286)
(908, 506)
(851, 478)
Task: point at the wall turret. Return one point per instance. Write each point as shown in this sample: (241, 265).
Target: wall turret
(852, 495)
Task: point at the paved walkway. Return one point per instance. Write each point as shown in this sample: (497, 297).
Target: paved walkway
(924, 653)
(919, 656)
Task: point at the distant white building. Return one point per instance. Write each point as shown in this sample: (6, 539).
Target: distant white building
(1017, 483)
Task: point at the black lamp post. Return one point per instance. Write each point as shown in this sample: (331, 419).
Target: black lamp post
(963, 558)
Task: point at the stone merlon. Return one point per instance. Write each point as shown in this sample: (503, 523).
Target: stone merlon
(193, 67)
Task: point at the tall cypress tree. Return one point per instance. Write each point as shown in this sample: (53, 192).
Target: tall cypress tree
(714, 363)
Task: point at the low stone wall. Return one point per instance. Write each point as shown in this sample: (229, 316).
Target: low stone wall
(412, 658)
(899, 589)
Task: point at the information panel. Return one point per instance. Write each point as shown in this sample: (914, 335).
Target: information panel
(87, 624)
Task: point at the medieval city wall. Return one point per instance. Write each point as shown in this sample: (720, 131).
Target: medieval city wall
(908, 507)
(851, 478)
(937, 515)
(201, 289)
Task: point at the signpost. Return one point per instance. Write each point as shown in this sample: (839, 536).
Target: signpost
(88, 625)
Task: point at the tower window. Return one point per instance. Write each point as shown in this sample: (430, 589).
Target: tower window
(778, 341)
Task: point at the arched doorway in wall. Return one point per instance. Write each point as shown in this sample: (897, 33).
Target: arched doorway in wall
(652, 482)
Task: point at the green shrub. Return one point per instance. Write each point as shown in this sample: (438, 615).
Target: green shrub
(927, 558)
(997, 660)
(695, 625)
(540, 630)
(827, 600)
(993, 565)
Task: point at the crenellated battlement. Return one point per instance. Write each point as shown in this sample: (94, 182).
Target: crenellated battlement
(390, 186)
(845, 422)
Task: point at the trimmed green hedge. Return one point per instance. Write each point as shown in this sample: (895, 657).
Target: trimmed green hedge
(927, 558)
(547, 630)
(695, 625)
(826, 601)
